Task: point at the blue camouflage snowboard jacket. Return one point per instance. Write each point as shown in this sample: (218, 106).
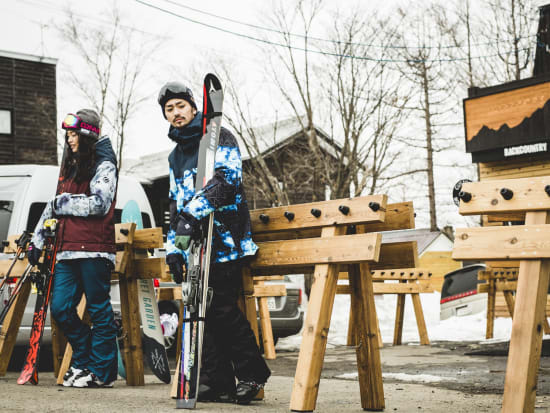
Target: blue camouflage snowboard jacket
(223, 194)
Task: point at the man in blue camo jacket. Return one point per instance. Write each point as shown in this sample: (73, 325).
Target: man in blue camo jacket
(229, 346)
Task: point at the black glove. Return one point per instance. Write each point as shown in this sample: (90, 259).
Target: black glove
(176, 264)
(186, 228)
(33, 254)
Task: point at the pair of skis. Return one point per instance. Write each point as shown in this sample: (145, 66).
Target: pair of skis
(195, 291)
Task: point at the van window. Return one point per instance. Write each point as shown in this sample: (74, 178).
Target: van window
(6, 208)
(461, 281)
(35, 212)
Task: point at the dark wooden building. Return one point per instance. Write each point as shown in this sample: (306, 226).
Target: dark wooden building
(281, 147)
(27, 109)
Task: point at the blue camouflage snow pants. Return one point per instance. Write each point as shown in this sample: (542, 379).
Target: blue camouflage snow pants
(93, 348)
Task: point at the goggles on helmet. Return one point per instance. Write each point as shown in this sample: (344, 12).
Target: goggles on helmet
(73, 122)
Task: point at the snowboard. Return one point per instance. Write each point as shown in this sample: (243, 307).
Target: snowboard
(195, 291)
(153, 339)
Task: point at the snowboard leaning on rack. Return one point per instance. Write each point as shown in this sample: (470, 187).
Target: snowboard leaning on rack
(195, 290)
(153, 339)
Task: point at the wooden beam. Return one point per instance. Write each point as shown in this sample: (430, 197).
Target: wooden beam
(10, 327)
(315, 331)
(420, 322)
(369, 365)
(146, 268)
(391, 288)
(268, 278)
(324, 250)
(498, 286)
(273, 290)
(398, 216)
(124, 233)
(396, 255)
(65, 364)
(358, 212)
(148, 238)
(527, 329)
(520, 242)
(399, 317)
(395, 274)
(528, 194)
(17, 269)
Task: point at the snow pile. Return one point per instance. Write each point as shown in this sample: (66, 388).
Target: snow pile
(415, 378)
(465, 328)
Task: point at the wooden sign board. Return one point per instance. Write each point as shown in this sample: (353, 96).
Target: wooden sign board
(509, 121)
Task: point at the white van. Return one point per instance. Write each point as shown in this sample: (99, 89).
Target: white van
(24, 192)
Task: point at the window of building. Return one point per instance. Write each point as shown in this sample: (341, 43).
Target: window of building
(5, 121)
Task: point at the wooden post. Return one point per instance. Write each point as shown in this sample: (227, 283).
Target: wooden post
(527, 329)
(250, 302)
(129, 306)
(491, 295)
(369, 365)
(59, 342)
(399, 316)
(68, 354)
(420, 322)
(267, 330)
(10, 327)
(316, 326)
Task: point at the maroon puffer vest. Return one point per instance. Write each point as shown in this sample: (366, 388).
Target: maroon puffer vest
(91, 233)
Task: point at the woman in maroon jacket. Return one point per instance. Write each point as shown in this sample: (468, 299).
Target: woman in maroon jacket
(84, 207)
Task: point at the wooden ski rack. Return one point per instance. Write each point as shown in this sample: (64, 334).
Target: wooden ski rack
(130, 267)
(528, 243)
(322, 238)
(412, 281)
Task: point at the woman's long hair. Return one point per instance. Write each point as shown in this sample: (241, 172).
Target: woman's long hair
(79, 165)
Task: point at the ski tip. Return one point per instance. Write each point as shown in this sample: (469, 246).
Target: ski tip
(212, 80)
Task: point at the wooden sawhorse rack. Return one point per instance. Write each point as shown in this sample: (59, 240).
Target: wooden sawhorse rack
(528, 243)
(318, 237)
(409, 283)
(132, 266)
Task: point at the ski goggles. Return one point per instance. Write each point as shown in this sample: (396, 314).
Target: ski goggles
(73, 122)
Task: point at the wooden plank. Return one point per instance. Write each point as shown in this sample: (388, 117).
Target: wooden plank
(268, 278)
(66, 363)
(267, 330)
(273, 290)
(395, 274)
(17, 270)
(315, 331)
(146, 268)
(324, 250)
(527, 329)
(420, 322)
(10, 327)
(396, 255)
(359, 212)
(528, 194)
(174, 386)
(369, 365)
(250, 302)
(498, 286)
(490, 309)
(509, 302)
(391, 288)
(398, 216)
(512, 170)
(124, 233)
(499, 243)
(399, 316)
(148, 238)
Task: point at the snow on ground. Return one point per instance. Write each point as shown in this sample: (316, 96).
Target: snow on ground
(416, 378)
(465, 328)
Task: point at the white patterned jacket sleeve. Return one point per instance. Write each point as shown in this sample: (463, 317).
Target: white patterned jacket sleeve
(38, 234)
(102, 193)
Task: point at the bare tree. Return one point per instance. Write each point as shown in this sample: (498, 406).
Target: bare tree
(426, 69)
(115, 59)
(509, 32)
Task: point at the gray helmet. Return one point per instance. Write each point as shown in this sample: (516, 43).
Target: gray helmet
(173, 90)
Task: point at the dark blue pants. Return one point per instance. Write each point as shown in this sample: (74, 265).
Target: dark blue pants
(93, 348)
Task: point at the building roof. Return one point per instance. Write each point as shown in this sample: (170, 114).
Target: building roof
(29, 57)
(270, 138)
(423, 237)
